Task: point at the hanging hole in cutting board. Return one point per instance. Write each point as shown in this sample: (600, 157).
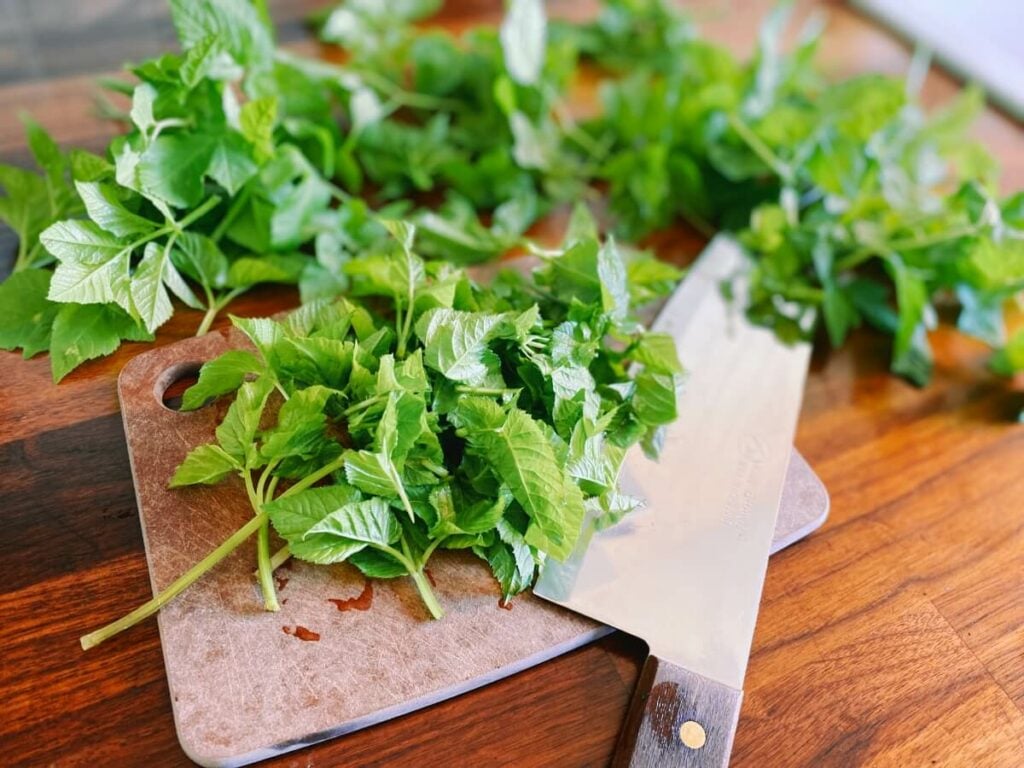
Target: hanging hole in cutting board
(172, 383)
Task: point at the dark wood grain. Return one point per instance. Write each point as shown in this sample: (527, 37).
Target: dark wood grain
(66, 489)
(893, 637)
(677, 718)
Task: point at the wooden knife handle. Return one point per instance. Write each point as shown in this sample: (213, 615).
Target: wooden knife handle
(678, 719)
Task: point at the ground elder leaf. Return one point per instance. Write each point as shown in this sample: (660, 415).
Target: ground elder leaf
(206, 465)
(26, 314)
(83, 332)
(455, 343)
(519, 453)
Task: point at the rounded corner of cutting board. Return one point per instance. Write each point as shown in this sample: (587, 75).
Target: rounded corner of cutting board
(196, 751)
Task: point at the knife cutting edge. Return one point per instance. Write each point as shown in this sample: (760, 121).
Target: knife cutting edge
(685, 573)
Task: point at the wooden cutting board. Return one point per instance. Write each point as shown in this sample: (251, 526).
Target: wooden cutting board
(344, 652)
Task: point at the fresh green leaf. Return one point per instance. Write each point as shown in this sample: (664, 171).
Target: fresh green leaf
(172, 167)
(45, 150)
(373, 473)
(294, 516)
(220, 376)
(231, 164)
(104, 208)
(657, 351)
(208, 464)
(236, 433)
(655, 398)
(149, 294)
(362, 522)
(201, 259)
(94, 265)
(26, 314)
(272, 268)
(301, 425)
(376, 564)
(521, 456)
(455, 344)
(86, 331)
(235, 23)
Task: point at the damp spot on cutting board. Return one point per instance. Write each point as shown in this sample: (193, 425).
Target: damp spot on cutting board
(360, 602)
(301, 633)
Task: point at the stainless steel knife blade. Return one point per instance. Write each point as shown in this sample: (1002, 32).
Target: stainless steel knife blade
(685, 573)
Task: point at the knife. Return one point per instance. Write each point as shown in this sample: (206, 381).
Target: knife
(685, 572)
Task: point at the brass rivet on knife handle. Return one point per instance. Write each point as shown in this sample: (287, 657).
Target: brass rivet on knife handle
(678, 719)
(692, 734)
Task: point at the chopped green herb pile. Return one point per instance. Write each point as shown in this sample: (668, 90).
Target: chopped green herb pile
(438, 414)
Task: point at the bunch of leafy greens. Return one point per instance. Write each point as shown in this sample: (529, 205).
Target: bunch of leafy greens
(852, 201)
(248, 164)
(438, 415)
(245, 164)
(485, 134)
(209, 193)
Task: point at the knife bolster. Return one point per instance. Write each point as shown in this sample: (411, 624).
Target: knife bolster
(678, 719)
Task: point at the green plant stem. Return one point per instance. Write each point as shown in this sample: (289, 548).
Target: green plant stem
(22, 260)
(595, 150)
(434, 467)
(762, 150)
(406, 330)
(402, 329)
(338, 193)
(214, 307)
(430, 550)
(405, 557)
(489, 391)
(699, 223)
(33, 253)
(231, 214)
(204, 208)
(904, 244)
(176, 227)
(271, 488)
(400, 95)
(419, 578)
(208, 318)
(282, 556)
(261, 485)
(262, 548)
(180, 584)
(193, 574)
(267, 494)
(429, 598)
(362, 404)
(314, 477)
(404, 497)
(414, 99)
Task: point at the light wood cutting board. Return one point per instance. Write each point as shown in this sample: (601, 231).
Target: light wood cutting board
(344, 652)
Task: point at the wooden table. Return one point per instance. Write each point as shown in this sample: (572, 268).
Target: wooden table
(894, 636)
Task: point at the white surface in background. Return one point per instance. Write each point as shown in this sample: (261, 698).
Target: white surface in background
(981, 40)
